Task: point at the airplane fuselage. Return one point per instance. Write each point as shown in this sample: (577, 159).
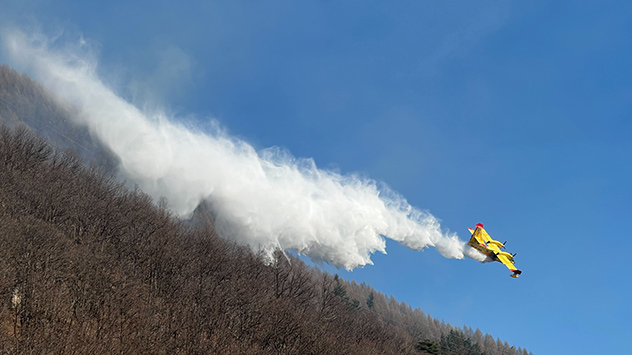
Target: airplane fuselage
(492, 248)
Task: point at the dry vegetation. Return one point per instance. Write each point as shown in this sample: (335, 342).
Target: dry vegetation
(88, 266)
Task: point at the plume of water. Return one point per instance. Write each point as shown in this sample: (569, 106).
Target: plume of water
(267, 199)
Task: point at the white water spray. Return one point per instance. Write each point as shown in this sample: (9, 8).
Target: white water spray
(267, 199)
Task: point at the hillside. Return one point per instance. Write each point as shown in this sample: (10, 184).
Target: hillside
(23, 101)
(89, 266)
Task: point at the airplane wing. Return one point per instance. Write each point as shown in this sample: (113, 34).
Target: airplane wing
(508, 261)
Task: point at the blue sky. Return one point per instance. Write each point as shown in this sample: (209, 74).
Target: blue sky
(515, 114)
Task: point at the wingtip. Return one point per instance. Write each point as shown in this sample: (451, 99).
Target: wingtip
(479, 225)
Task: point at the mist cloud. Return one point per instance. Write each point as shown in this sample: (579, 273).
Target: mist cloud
(268, 199)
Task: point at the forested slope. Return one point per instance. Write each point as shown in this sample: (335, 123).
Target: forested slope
(89, 266)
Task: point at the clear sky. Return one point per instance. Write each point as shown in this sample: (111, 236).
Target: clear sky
(516, 114)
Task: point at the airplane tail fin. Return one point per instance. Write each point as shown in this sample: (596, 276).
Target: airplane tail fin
(478, 225)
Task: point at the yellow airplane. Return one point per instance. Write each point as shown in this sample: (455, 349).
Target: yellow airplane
(482, 242)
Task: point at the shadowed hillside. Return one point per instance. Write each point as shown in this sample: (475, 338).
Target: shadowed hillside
(22, 100)
(87, 265)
